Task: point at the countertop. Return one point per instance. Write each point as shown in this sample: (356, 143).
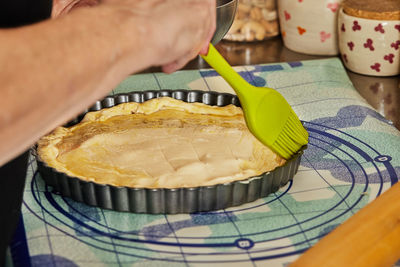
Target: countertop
(383, 93)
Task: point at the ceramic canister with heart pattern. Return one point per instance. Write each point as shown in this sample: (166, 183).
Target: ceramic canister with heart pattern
(369, 36)
(309, 26)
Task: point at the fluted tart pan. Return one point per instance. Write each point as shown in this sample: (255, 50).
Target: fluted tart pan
(168, 200)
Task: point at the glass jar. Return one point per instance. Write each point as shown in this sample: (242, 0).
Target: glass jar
(255, 20)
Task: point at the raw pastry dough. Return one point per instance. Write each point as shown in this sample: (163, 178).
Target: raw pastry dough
(161, 143)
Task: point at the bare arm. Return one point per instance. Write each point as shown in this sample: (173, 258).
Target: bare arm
(51, 71)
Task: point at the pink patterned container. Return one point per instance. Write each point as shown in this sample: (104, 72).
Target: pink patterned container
(309, 26)
(369, 46)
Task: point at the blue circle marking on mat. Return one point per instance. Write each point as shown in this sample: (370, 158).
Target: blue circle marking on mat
(383, 158)
(244, 243)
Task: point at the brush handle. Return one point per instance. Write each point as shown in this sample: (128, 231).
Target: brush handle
(371, 237)
(218, 63)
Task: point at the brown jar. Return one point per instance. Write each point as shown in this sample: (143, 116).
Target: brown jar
(255, 20)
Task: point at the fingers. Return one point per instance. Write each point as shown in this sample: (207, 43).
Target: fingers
(82, 3)
(206, 25)
(178, 64)
(204, 49)
(62, 7)
(169, 68)
(172, 32)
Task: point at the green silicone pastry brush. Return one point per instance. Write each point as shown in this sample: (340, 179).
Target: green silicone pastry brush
(268, 115)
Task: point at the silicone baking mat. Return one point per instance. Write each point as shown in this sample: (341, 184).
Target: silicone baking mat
(353, 156)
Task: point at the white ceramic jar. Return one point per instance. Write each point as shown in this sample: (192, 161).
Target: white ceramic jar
(309, 26)
(369, 46)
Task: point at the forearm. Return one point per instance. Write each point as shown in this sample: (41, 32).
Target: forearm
(51, 71)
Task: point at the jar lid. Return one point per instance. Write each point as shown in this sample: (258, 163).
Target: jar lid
(370, 9)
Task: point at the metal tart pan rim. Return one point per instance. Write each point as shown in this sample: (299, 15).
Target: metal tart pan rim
(168, 200)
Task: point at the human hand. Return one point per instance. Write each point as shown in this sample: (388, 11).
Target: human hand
(193, 35)
(175, 31)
